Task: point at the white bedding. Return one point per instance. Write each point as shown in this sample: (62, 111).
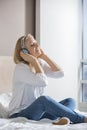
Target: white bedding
(22, 123)
(25, 124)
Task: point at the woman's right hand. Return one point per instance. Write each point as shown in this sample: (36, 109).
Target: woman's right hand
(27, 57)
(33, 61)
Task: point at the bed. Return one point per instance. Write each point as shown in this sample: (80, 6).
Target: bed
(21, 123)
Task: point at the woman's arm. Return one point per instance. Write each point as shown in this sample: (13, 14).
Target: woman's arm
(51, 63)
(33, 61)
(37, 66)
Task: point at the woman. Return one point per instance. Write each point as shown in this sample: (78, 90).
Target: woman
(33, 67)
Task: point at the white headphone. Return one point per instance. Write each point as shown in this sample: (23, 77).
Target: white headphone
(23, 43)
(23, 47)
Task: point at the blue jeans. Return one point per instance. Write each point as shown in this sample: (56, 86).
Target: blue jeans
(46, 107)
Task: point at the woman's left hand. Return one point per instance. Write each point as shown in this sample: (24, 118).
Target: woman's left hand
(42, 53)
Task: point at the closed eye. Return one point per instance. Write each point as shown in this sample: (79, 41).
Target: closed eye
(32, 45)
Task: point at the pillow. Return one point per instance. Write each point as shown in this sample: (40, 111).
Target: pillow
(3, 111)
(5, 99)
(4, 104)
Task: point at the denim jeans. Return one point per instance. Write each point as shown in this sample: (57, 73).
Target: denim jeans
(46, 107)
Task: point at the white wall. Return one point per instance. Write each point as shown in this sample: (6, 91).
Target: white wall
(60, 37)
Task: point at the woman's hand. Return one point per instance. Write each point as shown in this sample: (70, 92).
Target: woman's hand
(33, 61)
(27, 57)
(42, 54)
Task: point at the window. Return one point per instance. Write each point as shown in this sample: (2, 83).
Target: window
(84, 53)
(83, 71)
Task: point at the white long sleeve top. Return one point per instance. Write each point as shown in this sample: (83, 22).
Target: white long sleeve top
(28, 86)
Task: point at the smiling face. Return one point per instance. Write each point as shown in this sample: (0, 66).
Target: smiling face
(32, 46)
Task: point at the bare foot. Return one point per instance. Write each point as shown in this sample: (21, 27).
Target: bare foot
(62, 121)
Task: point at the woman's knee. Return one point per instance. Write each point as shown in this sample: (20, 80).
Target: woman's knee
(72, 102)
(44, 98)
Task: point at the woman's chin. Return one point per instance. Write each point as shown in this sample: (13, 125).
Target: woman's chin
(37, 54)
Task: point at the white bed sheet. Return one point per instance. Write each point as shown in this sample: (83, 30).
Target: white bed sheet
(22, 123)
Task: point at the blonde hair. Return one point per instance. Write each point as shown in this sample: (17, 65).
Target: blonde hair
(18, 48)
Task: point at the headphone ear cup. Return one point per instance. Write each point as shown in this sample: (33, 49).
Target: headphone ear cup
(25, 51)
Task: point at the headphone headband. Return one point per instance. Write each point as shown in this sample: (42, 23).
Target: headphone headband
(22, 43)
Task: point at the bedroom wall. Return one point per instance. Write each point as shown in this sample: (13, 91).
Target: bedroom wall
(59, 32)
(16, 19)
